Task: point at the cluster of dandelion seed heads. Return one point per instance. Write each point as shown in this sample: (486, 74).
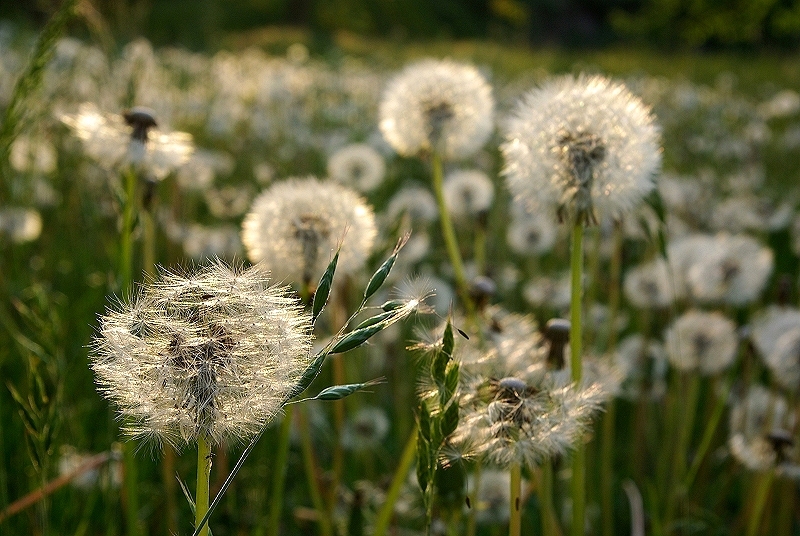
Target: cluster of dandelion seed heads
(582, 145)
(295, 227)
(437, 105)
(213, 354)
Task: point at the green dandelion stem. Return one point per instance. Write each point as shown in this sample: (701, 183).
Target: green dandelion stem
(708, 435)
(310, 464)
(126, 240)
(203, 474)
(472, 516)
(690, 398)
(479, 253)
(575, 340)
(279, 473)
(760, 500)
(515, 499)
(607, 469)
(548, 512)
(399, 478)
(449, 234)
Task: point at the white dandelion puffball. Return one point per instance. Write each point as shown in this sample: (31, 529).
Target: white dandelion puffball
(357, 166)
(132, 138)
(437, 105)
(582, 145)
(702, 341)
(295, 227)
(468, 192)
(214, 353)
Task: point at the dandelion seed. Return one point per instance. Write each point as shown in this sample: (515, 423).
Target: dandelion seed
(211, 354)
(294, 228)
(580, 145)
(437, 105)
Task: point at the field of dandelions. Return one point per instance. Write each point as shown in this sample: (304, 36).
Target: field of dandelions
(445, 290)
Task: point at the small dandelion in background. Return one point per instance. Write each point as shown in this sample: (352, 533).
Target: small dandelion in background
(701, 341)
(357, 166)
(211, 355)
(585, 147)
(294, 228)
(437, 105)
(131, 138)
(468, 193)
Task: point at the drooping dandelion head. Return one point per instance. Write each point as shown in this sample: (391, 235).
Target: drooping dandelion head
(582, 147)
(437, 105)
(295, 227)
(213, 353)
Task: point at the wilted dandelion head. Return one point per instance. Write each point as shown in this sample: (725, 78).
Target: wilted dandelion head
(437, 105)
(294, 228)
(131, 138)
(582, 145)
(213, 353)
(357, 166)
(702, 341)
(468, 193)
(763, 432)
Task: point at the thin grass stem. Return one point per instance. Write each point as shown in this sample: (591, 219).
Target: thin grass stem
(203, 477)
(515, 519)
(400, 476)
(279, 473)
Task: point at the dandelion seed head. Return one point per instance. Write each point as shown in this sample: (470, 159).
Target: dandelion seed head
(649, 285)
(294, 228)
(468, 193)
(701, 341)
(365, 430)
(212, 353)
(19, 224)
(531, 233)
(437, 105)
(579, 145)
(357, 166)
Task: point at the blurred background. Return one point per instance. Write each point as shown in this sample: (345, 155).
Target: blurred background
(672, 24)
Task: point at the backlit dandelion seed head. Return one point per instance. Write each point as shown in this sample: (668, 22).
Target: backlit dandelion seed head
(357, 166)
(649, 285)
(20, 224)
(582, 145)
(132, 138)
(437, 105)
(468, 192)
(701, 341)
(776, 336)
(531, 234)
(762, 428)
(295, 227)
(213, 353)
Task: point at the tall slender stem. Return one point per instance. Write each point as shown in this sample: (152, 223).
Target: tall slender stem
(515, 521)
(761, 494)
(279, 473)
(399, 478)
(684, 435)
(549, 523)
(203, 476)
(325, 527)
(126, 240)
(578, 483)
(449, 234)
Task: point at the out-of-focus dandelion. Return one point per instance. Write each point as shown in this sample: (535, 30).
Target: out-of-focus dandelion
(649, 285)
(580, 145)
(20, 225)
(357, 166)
(468, 193)
(365, 430)
(762, 432)
(131, 138)
(437, 105)
(776, 336)
(415, 201)
(531, 234)
(211, 354)
(733, 270)
(294, 228)
(701, 341)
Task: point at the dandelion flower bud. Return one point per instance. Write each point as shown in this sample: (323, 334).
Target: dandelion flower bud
(212, 354)
(586, 147)
(294, 228)
(437, 105)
